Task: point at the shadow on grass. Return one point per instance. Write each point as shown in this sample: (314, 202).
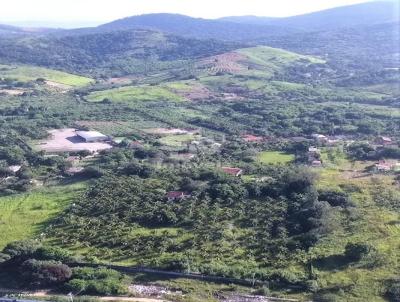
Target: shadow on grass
(333, 262)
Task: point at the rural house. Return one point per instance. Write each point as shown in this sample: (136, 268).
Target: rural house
(232, 171)
(177, 195)
(384, 141)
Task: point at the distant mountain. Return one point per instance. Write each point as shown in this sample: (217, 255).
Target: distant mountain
(372, 47)
(252, 28)
(196, 27)
(254, 20)
(347, 16)
(8, 30)
(105, 53)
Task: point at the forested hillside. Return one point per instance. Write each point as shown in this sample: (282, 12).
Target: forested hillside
(170, 158)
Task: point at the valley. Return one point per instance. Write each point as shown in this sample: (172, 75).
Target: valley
(259, 167)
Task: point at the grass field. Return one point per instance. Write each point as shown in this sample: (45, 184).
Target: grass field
(274, 157)
(177, 140)
(135, 94)
(274, 58)
(30, 73)
(25, 215)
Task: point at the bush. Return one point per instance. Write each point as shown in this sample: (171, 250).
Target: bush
(21, 249)
(97, 281)
(393, 291)
(53, 253)
(42, 273)
(357, 251)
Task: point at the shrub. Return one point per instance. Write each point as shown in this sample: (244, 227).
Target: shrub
(42, 273)
(53, 253)
(357, 251)
(21, 249)
(393, 291)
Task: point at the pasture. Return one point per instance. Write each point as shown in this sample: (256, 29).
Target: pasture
(26, 215)
(26, 73)
(274, 157)
(131, 94)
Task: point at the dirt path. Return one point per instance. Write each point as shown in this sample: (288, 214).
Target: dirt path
(131, 299)
(110, 298)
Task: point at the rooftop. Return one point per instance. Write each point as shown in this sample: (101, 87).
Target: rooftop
(90, 134)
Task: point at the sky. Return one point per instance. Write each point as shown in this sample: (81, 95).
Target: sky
(72, 13)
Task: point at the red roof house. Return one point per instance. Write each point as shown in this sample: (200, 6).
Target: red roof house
(232, 171)
(249, 138)
(177, 195)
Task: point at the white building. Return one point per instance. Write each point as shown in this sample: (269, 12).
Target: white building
(92, 136)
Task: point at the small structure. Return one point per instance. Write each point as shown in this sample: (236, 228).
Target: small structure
(232, 171)
(135, 145)
(249, 138)
(92, 136)
(319, 138)
(316, 163)
(386, 166)
(14, 168)
(177, 195)
(384, 141)
(74, 170)
(313, 151)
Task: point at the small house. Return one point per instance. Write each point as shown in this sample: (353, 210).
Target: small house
(384, 141)
(319, 138)
(232, 171)
(177, 195)
(14, 168)
(316, 163)
(249, 138)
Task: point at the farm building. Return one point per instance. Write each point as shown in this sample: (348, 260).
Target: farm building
(249, 138)
(384, 140)
(92, 136)
(177, 195)
(232, 171)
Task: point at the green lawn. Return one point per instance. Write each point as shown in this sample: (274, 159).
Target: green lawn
(177, 140)
(274, 58)
(274, 157)
(134, 94)
(30, 73)
(25, 215)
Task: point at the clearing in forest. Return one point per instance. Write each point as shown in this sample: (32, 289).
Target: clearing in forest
(135, 94)
(274, 157)
(66, 140)
(26, 73)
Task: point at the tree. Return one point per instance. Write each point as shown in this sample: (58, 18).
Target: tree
(43, 273)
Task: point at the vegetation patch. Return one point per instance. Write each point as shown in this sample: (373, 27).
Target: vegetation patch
(26, 215)
(32, 73)
(274, 157)
(135, 94)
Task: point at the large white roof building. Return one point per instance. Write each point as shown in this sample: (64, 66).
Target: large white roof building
(92, 136)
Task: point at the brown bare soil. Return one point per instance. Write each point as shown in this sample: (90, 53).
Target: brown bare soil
(58, 86)
(197, 92)
(12, 91)
(226, 63)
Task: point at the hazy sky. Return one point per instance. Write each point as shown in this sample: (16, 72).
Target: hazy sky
(95, 11)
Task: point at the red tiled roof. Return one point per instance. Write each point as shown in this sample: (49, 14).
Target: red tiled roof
(232, 171)
(252, 138)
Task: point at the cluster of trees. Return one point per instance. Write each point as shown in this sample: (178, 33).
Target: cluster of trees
(267, 220)
(30, 264)
(365, 151)
(108, 53)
